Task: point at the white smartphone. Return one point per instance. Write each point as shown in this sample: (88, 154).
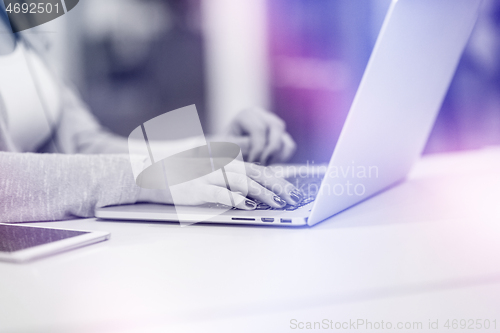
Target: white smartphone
(20, 243)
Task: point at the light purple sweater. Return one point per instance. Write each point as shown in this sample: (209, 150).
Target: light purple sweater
(84, 167)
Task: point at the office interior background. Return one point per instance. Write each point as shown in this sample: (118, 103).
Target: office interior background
(303, 59)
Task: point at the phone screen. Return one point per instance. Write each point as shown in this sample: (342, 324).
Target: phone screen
(17, 237)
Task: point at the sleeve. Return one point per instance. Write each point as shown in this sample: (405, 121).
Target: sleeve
(49, 187)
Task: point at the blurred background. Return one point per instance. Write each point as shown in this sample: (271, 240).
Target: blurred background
(303, 59)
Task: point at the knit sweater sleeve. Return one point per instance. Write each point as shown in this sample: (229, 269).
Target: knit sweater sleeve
(48, 187)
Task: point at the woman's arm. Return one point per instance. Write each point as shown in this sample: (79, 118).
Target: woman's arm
(48, 187)
(260, 134)
(79, 132)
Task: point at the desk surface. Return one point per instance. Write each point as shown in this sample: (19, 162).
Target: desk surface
(436, 234)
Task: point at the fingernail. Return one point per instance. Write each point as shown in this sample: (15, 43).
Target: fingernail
(250, 204)
(279, 201)
(296, 196)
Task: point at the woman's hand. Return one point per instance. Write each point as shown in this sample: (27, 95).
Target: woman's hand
(262, 136)
(259, 183)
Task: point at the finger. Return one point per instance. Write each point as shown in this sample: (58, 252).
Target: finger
(265, 177)
(221, 195)
(258, 139)
(276, 128)
(256, 123)
(288, 148)
(274, 142)
(273, 119)
(245, 186)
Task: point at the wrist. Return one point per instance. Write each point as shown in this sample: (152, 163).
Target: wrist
(154, 196)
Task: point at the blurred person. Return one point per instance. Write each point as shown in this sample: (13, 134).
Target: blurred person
(146, 54)
(57, 162)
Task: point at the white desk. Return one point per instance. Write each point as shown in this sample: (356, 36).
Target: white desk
(426, 249)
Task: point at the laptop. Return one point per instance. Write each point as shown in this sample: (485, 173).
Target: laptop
(391, 117)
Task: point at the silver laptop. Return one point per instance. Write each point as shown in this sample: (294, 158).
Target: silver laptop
(404, 84)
